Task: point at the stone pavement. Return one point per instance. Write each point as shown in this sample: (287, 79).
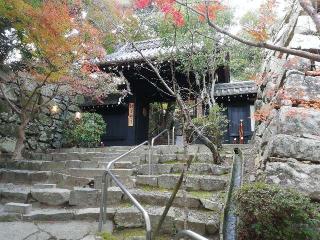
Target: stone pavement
(73, 230)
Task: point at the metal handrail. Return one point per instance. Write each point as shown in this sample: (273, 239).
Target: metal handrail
(173, 129)
(152, 144)
(105, 185)
(189, 233)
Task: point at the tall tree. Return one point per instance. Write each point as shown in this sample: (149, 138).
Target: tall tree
(49, 48)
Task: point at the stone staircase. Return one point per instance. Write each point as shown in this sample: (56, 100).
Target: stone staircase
(64, 185)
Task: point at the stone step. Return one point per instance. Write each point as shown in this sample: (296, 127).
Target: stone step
(88, 156)
(71, 230)
(61, 166)
(129, 158)
(51, 196)
(180, 157)
(200, 200)
(20, 195)
(93, 172)
(44, 185)
(195, 168)
(202, 222)
(111, 149)
(90, 197)
(32, 177)
(127, 181)
(87, 197)
(21, 208)
(193, 182)
(63, 214)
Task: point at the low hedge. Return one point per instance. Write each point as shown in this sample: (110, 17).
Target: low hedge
(270, 212)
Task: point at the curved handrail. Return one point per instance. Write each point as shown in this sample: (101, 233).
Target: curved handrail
(160, 134)
(189, 233)
(152, 144)
(104, 188)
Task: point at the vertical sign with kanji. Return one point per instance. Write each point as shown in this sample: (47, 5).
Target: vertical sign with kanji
(130, 114)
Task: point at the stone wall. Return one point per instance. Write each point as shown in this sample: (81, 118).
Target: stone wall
(44, 132)
(288, 139)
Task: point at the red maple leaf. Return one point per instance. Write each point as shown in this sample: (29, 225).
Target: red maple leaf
(142, 3)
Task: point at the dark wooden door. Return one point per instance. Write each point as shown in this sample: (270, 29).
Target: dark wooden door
(117, 129)
(235, 114)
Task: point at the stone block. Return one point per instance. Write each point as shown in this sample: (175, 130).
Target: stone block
(51, 165)
(150, 198)
(16, 176)
(123, 165)
(49, 215)
(128, 218)
(212, 226)
(122, 172)
(84, 197)
(93, 214)
(200, 168)
(301, 176)
(167, 158)
(18, 208)
(193, 224)
(114, 195)
(86, 172)
(167, 181)
(287, 146)
(156, 169)
(177, 168)
(73, 164)
(16, 195)
(126, 180)
(206, 183)
(191, 202)
(147, 180)
(219, 170)
(40, 176)
(44, 185)
(54, 197)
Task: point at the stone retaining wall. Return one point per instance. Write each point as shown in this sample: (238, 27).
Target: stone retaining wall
(288, 139)
(42, 133)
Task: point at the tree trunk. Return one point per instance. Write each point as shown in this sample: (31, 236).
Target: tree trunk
(21, 136)
(169, 114)
(172, 197)
(206, 141)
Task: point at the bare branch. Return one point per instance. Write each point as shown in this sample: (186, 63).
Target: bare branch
(312, 12)
(5, 77)
(295, 52)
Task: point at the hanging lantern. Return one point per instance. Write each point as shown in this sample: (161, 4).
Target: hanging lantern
(77, 116)
(54, 109)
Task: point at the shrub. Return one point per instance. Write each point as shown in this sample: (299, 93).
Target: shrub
(270, 212)
(107, 236)
(85, 132)
(214, 125)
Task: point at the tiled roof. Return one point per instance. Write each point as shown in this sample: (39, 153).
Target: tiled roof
(127, 53)
(235, 88)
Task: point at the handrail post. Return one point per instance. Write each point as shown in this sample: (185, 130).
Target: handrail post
(107, 177)
(173, 140)
(150, 156)
(168, 132)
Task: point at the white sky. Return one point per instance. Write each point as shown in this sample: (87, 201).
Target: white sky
(243, 6)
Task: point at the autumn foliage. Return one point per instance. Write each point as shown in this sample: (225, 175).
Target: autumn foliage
(171, 10)
(266, 18)
(57, 35)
